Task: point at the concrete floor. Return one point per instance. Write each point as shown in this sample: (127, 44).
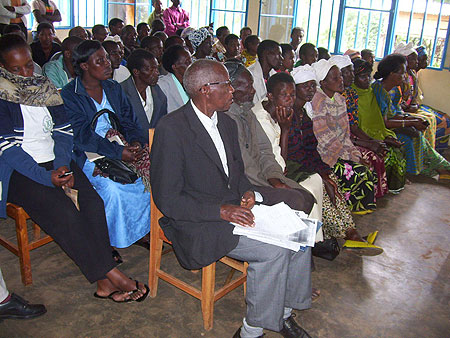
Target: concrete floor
(404, 293)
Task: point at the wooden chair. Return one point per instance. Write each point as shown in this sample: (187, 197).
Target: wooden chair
(207, 294)
(23, 247)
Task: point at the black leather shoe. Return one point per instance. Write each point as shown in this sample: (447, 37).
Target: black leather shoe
(292, 330)
(238, 334)
(19, 308)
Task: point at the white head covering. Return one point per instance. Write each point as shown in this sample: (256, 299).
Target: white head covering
(405, 50)
(114, 38)
(321, 68)
(341, 61)
(303, 74)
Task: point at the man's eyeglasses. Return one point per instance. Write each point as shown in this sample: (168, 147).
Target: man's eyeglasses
(228, 82)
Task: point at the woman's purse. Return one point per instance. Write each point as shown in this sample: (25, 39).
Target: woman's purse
(115, 170)
(328, 249)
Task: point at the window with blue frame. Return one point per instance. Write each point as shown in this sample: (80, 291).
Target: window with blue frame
(64, 8)
(276, 19)
(230, 13)
(379, 25)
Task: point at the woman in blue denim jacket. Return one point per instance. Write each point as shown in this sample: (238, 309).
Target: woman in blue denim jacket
(127, 206)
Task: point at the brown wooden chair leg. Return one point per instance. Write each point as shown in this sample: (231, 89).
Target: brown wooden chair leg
(22, 244)
(36, 231)
(155, 260)
(208, 281)
(229, 276)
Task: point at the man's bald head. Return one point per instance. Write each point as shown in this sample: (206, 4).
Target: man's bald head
(201, 72)
(208, 84)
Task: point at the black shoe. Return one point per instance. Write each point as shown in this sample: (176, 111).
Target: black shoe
(19, 308)
(292, 330)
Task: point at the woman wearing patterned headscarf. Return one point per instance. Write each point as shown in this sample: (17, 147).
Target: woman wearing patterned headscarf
(201, 41)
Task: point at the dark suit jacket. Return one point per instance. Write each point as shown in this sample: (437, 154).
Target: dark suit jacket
(159, 104)
(189, 185)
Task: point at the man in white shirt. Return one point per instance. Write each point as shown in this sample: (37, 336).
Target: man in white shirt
(269, 60)
(198, 183)
(120, 72)
(148, 100)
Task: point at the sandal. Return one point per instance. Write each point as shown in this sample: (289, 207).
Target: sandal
(141, 299)
(362, 248)
(371, 238)
(117, 257)
(110, 296)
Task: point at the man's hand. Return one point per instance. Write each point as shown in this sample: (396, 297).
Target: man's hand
(66, 181)
(276, 183)
(237, 214)
(248, 200)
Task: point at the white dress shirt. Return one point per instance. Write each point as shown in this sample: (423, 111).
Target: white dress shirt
(147, 104)
(210, 125)
(272, 130)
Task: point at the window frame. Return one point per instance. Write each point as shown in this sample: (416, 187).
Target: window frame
(390, 34)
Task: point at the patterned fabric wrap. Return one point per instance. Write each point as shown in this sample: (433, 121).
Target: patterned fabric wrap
(442, 126)
(351, 100)
(376, 165)
(336, 219)
(140, 167)
(409, 92)
(357, 184)
(421, 158)
(302, 144)
(332, 130)
(36, 91)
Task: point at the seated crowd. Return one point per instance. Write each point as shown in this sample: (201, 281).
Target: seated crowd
(238, 121)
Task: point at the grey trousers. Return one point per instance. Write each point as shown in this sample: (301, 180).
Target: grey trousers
(276, 278)
(3, 290)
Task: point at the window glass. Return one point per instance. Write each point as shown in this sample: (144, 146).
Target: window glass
(424, 23)
(276, 20)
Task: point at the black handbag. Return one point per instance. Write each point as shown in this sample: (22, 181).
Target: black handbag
(116, 170)
(327, 249)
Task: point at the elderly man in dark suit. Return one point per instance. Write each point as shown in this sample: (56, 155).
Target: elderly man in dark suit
(198, 182)
(148, 101)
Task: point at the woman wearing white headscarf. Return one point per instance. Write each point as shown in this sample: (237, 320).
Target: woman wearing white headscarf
(304, 160)
(331, 128)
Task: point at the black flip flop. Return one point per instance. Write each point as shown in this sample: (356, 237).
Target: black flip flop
(141, 299)
(110, 296)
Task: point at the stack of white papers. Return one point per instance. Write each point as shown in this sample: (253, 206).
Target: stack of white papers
(280, 225)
